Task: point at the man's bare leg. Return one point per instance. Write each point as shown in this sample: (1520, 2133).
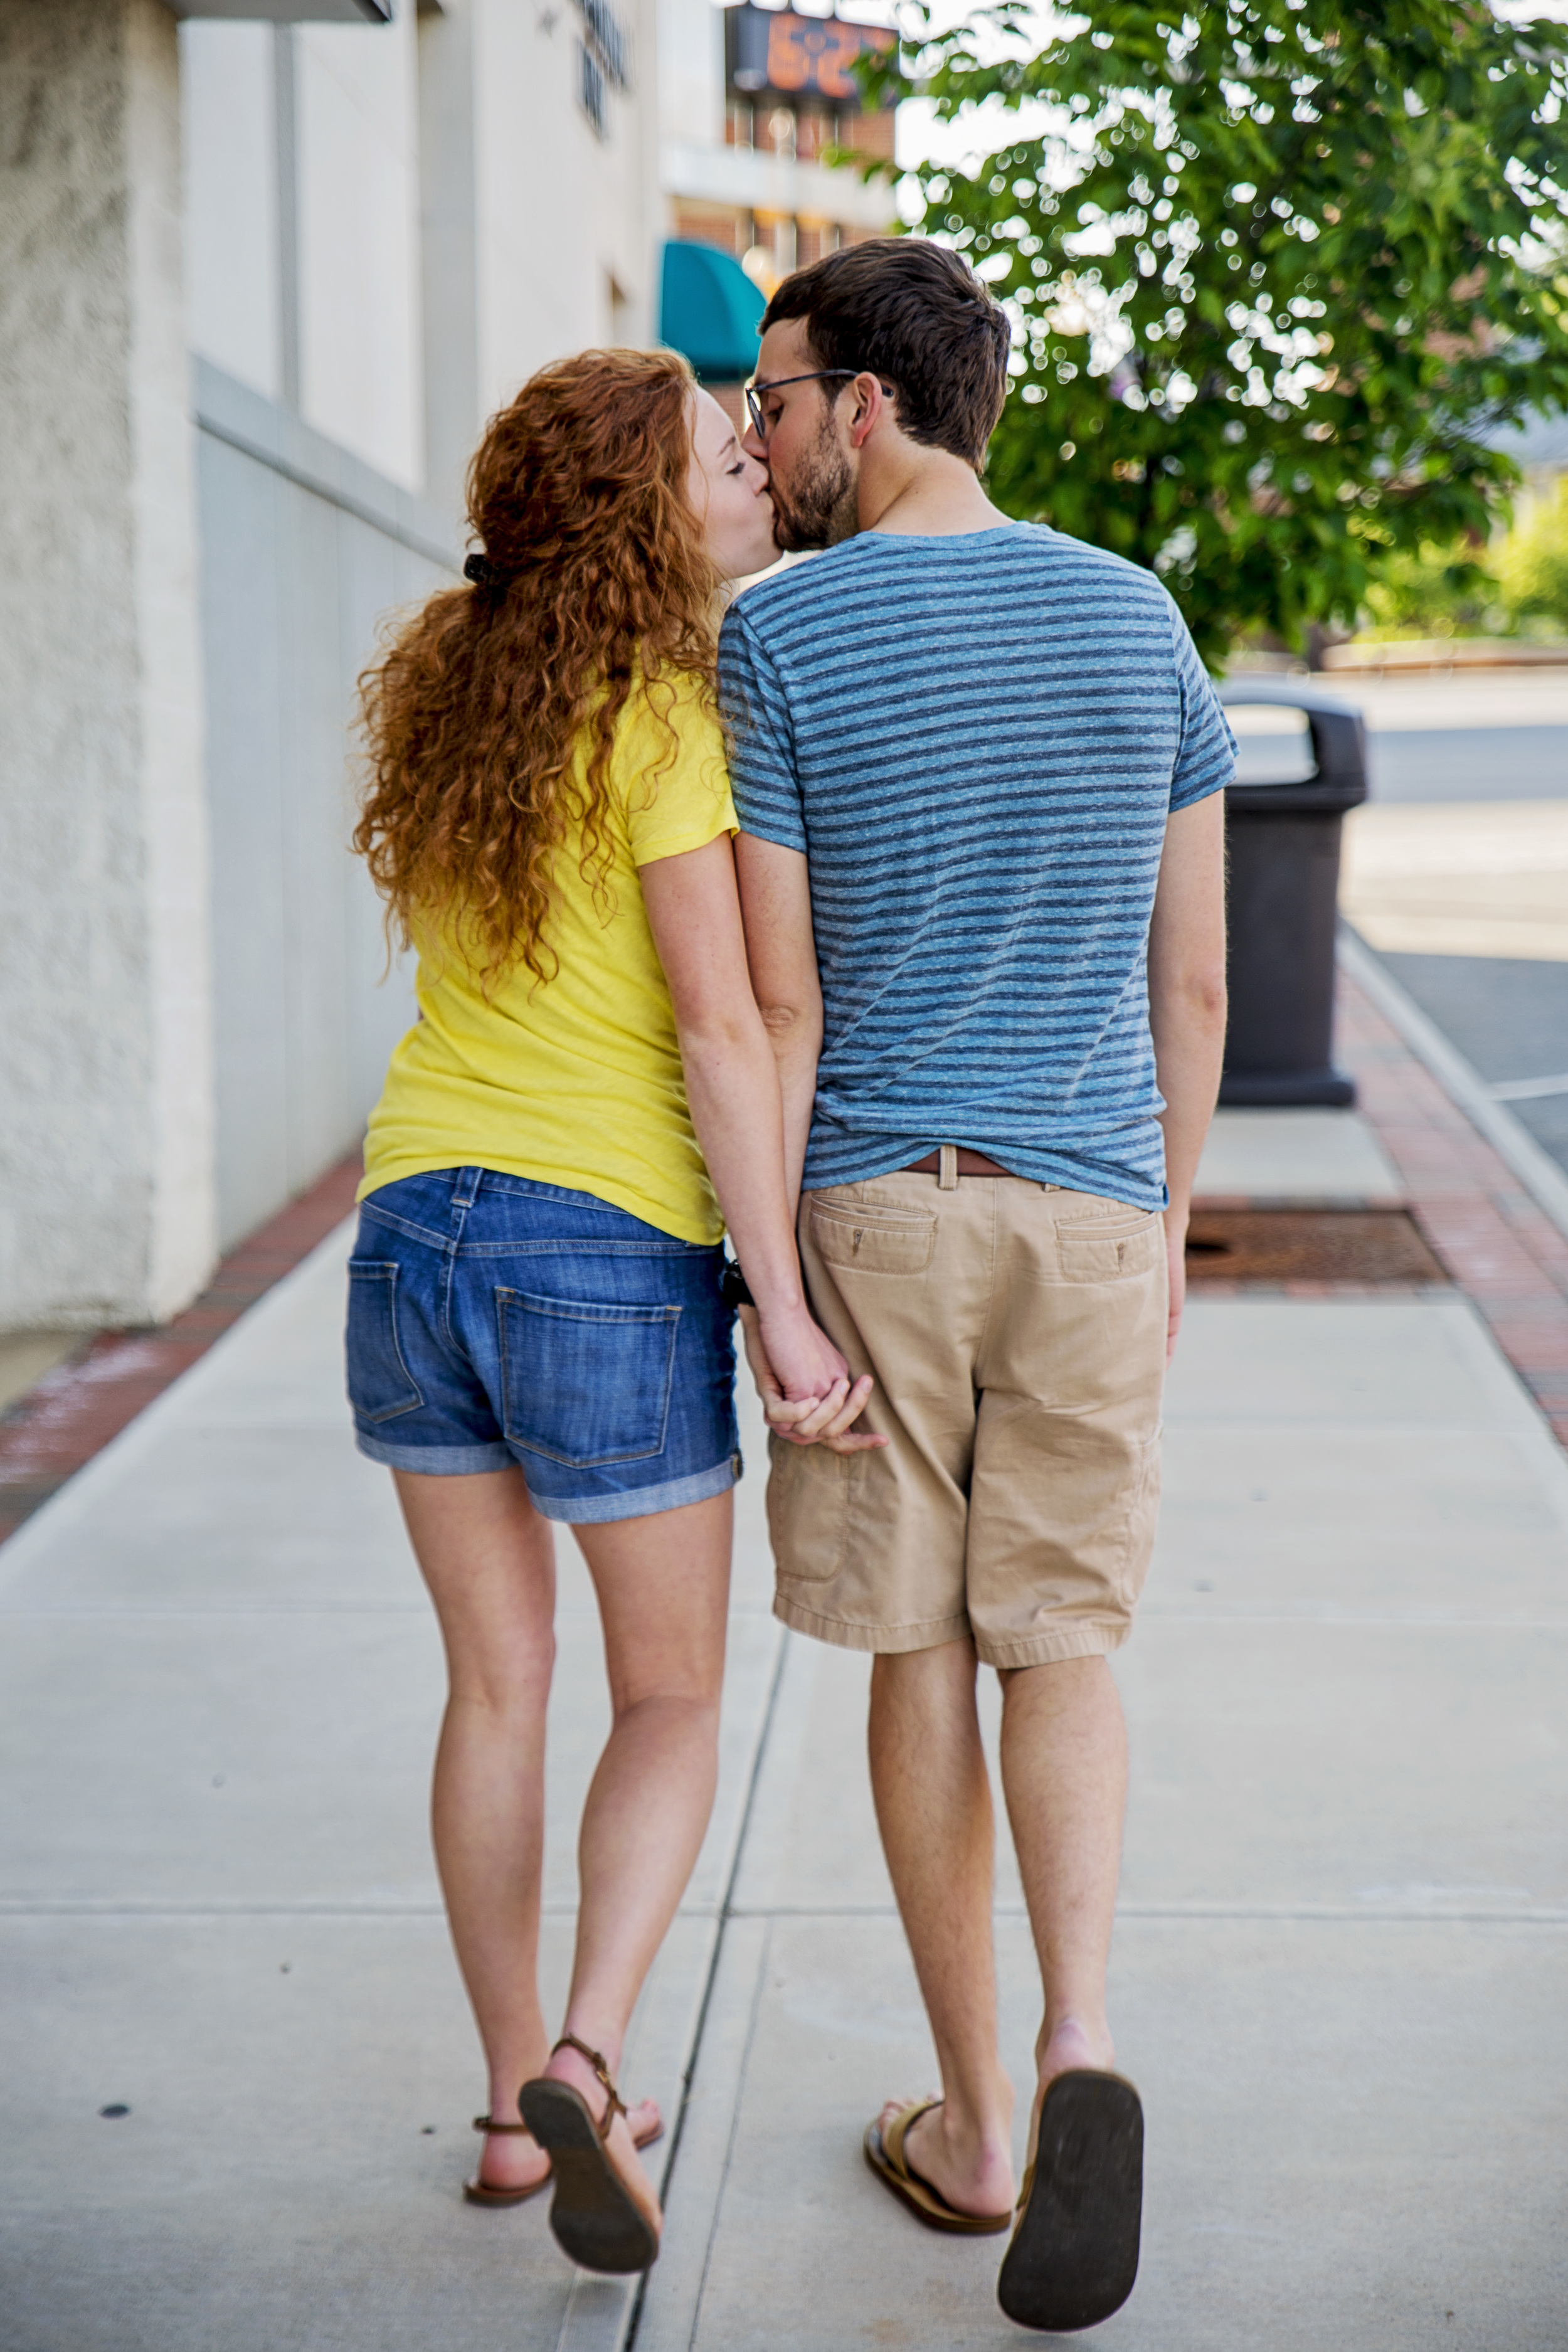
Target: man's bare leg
(934, 1807)
(1064, 1773)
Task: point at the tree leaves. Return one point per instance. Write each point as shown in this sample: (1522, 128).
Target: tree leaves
(1276, 276)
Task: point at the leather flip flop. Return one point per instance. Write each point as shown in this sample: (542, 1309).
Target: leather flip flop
(478, 2191)
(885, 2155)
(597, 2223)
(1074, 2254)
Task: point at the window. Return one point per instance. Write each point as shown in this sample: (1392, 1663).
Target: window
(591, 89)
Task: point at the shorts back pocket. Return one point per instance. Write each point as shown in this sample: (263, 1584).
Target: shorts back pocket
(583, 1383)
(380, 1383)
(1111, 1249)
(872, 1241)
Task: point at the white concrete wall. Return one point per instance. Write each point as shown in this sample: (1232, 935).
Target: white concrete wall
(106, 1165)
(305, 552)
(230, 125)
(562, 218)
(691, 72)
(339, 183)
(357, 134)
(304, 225)
(448, 194)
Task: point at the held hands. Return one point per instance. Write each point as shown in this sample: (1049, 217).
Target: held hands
(803, 1382)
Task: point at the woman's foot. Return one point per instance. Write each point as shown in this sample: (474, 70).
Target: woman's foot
(568, 2065)
(516, 2160)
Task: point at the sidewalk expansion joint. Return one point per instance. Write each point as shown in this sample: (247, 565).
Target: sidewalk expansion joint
(726, 1911)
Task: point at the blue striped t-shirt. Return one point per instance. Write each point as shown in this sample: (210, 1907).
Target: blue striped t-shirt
(976, 741)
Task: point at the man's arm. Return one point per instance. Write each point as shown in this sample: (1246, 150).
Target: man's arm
(775, 906)
(1187, 1008)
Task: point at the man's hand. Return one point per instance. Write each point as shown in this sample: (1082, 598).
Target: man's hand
(1177, 1258)
(823, 1418)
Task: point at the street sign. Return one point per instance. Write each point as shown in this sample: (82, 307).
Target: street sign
(777, 50)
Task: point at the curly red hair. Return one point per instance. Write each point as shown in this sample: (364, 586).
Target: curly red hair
(596, 578)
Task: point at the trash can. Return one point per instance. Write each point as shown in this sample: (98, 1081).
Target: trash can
(1283, 847)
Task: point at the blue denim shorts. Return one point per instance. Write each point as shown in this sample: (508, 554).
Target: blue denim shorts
(492, 1321)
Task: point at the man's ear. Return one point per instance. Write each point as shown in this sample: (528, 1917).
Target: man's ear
(870, 404)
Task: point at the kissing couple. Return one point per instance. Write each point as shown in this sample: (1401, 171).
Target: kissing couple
(875, 921)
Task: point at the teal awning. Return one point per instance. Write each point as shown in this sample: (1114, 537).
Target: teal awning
(708, 311)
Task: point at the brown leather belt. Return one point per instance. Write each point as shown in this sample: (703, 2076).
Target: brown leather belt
(970, 1163)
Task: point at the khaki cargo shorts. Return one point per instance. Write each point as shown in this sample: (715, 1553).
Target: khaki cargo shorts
(1017, 1334)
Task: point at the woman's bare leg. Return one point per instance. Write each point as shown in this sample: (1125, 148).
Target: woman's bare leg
(663, 1585)
(489, 1560)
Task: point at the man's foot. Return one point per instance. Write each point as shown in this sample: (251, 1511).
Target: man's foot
(1073, 2258)
(516, 2160)
(971, 2172)
(1072, 2047)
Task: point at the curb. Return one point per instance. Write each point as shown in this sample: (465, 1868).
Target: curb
(1464, 1086)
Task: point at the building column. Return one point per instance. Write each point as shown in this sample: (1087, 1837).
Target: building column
(107, 1196)
(448, 257)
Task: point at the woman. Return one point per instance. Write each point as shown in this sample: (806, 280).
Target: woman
(537, 1330)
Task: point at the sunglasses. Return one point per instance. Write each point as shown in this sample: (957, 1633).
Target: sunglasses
(760, 424)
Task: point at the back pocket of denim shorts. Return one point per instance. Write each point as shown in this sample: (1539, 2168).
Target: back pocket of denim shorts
(585, 1385)
(380, 1383)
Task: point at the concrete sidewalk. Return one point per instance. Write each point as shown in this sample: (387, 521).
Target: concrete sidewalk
(1339, 1972)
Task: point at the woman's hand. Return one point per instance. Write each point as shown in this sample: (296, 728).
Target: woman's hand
(821, 1416)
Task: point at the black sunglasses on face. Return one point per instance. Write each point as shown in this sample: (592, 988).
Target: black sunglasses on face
(760, 424)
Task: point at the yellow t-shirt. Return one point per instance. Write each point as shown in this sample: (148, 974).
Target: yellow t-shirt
(575, 1080)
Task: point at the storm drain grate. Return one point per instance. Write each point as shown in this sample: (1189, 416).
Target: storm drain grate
(1307, 1245)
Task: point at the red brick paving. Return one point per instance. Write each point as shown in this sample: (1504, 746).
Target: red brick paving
(1502, 1250)
(74, 1410)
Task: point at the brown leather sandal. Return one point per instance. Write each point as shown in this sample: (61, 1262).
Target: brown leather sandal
(478, 2191)
(595, 2221)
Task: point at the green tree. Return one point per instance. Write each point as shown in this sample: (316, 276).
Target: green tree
(1278, 270)
(1532, 565)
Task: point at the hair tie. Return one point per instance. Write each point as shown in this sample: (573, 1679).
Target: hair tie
(483, 572)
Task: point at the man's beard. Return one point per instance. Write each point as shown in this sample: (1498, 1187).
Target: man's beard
(818, 509)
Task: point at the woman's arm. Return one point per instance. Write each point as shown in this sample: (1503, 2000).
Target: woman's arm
(694, 909)
(781, 950)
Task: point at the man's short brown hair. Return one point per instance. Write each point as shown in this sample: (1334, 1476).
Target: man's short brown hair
(914, 312)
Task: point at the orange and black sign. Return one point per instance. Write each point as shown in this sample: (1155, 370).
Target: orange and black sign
(777, 50)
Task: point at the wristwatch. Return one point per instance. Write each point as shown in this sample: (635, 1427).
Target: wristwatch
(734, 1288)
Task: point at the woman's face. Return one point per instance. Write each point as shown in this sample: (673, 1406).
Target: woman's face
(729, 494)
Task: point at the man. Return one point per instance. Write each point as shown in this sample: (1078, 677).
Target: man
(978, 767)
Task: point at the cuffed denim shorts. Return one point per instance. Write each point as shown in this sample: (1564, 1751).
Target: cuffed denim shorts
(493, 1320)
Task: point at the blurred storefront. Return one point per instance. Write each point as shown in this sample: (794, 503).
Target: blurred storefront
(790, 100)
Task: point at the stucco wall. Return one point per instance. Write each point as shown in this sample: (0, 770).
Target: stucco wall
(106, 1192)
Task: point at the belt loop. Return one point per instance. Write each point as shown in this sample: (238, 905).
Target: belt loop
(947, 1168)
(467, 1192)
